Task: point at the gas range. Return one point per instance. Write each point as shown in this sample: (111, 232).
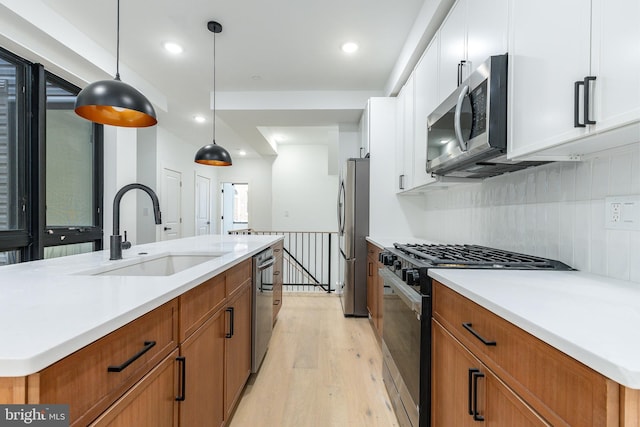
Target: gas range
(410, 261)
(407, 311)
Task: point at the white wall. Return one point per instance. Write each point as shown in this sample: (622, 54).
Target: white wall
(304, 194)
(555, 211)
(119, 170)
(257, 173)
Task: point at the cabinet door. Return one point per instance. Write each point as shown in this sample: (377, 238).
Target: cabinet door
(150, 402)
(372, 282)
(426, 100)
(461, 384)
(405, 135)
(549, 52)
(364, 132)
(237, 348)
(400, 175)
(203, 354)
(452, 48)
(616, 62)
(487, 33)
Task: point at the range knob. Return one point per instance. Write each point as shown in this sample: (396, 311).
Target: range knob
(412, 277)
(397, 265)
(387, 258)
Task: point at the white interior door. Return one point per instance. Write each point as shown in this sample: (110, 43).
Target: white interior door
(203, 205)
(171, 204)
(227, 207)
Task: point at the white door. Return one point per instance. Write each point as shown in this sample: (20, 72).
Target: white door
(227, 207)
(171, 204)
(203, 205)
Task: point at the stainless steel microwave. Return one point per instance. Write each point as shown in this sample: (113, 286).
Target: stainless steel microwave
(467, 133)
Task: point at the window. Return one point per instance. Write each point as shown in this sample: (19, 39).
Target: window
(73, 188)
(51, 172)
(13, 216)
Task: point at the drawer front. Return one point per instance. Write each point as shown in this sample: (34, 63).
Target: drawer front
(236, 276)
(150, 402)
(83, 379)
(199, 303)
(561, 389)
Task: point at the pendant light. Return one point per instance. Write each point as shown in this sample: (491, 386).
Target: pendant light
(213, 154)
(113, 102)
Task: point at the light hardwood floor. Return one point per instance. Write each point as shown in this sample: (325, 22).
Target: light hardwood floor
(321, 370)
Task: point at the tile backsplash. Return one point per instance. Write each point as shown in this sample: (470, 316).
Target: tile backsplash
(555, 211)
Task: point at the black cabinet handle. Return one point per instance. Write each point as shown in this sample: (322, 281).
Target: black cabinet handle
(231, 316)
(120, 368)
(183, 373)
(476, 414)
(587, 99)
(167, 228)
(460, 69)
(468, 327)
(470, 388)
(576, 105)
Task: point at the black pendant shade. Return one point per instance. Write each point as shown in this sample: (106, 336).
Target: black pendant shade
(113, 102)
(213, 155)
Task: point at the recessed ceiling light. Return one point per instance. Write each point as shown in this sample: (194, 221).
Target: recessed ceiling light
(242, 153)
(199, 119)
(174, 48)
(349, 47)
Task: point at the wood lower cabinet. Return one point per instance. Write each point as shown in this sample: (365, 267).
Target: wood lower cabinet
(237, 348)
(375, 287)
(217, 355)
(94, 377)
(557, 388)
(151, 402)
(466, 392)
(203, 354)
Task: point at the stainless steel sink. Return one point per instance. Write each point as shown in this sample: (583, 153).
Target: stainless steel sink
(165, 265)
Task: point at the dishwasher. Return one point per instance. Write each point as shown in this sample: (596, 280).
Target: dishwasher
(262, 306)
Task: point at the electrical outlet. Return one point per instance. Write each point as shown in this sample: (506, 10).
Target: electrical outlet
(622, 213)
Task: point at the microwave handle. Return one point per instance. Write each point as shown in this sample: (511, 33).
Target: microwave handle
(457, 126)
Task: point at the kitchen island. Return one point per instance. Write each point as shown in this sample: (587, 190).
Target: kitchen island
(113, 338)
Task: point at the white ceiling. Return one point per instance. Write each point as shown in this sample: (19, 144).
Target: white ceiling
(279, 62)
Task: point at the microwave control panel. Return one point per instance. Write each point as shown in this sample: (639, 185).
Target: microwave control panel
(478, 97)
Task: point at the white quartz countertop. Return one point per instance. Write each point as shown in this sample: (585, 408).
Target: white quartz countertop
(591, 318)
(51, 308)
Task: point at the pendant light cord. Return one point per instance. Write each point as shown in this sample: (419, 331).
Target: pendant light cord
(118, 42)
(214, 87)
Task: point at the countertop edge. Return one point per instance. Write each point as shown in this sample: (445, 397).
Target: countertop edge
(14, 367)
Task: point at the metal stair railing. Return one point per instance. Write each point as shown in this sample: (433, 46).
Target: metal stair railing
(309, 260)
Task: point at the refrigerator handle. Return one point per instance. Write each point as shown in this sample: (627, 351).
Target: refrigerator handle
(341, 191)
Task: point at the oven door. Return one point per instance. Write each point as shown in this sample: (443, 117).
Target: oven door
(401, 347)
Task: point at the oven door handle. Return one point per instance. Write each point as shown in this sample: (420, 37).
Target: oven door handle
(410, 297)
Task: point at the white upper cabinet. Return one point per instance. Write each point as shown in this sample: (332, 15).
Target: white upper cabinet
(405, 135)
(364, 131)
(473, 31)
(615, 61)
(574, 74)
(426, 100)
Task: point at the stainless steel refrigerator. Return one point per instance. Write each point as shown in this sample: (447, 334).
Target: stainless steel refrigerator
(353, 228)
